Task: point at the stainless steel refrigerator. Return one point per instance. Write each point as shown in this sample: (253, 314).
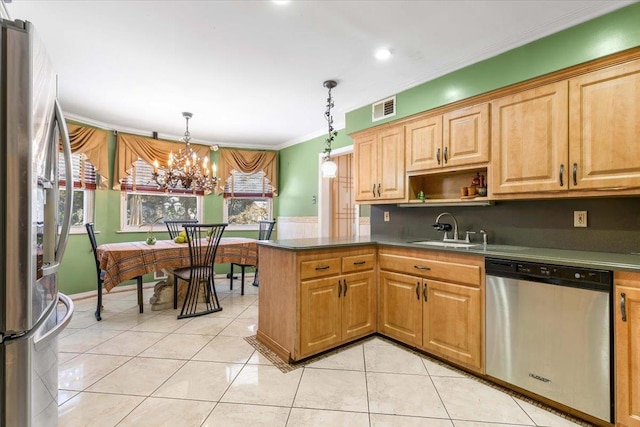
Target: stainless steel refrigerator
(32, 242)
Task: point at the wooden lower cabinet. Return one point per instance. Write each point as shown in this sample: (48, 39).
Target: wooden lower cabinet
(427, 309)
(336, 310)
(627, 348)
(320, 315)
(358, 303)
(451, 326)
(400, 308)
(314, 300)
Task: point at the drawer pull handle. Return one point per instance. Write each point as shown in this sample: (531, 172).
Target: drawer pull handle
(345, 288)
(446, 155)
(339, 288)
(623, 306)
(359, 262)
(424, 292)
(324, 267)
(418, 290)
(438, 155)
(378, 189)
(421, 267)
(373, 190)
(575, 174)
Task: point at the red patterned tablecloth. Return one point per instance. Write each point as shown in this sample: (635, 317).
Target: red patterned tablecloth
(125, 261)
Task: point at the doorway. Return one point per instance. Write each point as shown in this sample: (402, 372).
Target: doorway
(338, 215)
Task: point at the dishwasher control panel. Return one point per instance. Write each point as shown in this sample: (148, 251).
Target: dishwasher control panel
(550, 273)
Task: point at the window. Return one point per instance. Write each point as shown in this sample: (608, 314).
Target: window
(247, 200)
(84, 185)
(144, 204)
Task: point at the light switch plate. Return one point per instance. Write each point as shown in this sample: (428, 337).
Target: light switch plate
(579, 218)
(386, 216)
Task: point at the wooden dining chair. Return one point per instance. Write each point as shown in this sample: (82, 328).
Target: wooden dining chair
(203, 242)
(264, 233)
(100, 273)
(175, 226)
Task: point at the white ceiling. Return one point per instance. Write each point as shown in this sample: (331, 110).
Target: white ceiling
(252, 71)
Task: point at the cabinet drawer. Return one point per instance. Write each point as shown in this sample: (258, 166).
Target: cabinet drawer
(358, 263)
(319, 268)
(430, 268)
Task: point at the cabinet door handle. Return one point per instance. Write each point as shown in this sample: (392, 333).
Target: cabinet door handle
(359, 262)
(445, 155)
(378, 189)
(339, 288)
(373, 190)
(424, 292)
(623, 306)
(561, 175)
(438, 155)
(418, 290)
(324, 267)
(421, 267)
(345, 288)
(575, 174)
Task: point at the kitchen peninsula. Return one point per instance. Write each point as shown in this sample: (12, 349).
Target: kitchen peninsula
(317, 294)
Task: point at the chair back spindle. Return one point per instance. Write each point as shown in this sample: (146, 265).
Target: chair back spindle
(174, 227)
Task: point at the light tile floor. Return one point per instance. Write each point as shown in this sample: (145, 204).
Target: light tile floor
(152, 369)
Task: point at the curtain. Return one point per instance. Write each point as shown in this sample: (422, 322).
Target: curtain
(93, 144)
(248, 162)
(131, 147)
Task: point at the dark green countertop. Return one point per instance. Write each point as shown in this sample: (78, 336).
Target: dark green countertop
(576, 258)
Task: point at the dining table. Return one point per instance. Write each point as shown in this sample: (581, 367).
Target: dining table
(127, 260)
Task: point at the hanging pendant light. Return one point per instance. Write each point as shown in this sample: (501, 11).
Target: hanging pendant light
(329, 167)
(186, 169)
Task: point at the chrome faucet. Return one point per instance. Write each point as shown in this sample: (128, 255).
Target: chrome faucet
(447, 227)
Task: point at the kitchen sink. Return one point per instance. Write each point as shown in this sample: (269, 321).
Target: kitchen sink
(446, 244)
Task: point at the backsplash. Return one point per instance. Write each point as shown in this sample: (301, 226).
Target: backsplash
(613, 223)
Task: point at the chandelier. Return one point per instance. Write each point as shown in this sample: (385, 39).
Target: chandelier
(186, 169)
(329, 167)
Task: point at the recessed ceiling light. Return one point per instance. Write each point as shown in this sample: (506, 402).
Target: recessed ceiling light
(281, 2)
(383, 54)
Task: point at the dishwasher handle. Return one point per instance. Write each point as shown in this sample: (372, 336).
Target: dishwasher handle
(623, 306)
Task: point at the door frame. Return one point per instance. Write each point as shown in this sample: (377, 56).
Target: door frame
(324, 196)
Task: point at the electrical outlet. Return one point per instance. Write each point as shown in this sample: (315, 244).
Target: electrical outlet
(386, 216)
(579, 218)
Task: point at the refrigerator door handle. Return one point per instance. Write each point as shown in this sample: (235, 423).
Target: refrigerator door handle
(66, 148)
(43, 341)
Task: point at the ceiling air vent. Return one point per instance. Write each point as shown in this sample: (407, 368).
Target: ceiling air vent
(383, 109)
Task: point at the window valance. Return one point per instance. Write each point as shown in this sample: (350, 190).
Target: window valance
(131, 147)
(248, 162)
(92, 143)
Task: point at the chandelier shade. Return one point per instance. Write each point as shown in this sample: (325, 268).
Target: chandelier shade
(186, 169)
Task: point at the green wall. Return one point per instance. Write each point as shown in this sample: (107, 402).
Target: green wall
(611, 33)
(614, 32)
(298, 175)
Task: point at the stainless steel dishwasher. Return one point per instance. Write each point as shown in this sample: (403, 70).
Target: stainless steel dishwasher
(548, 331)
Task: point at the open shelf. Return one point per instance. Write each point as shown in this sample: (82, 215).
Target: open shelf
(444, 189)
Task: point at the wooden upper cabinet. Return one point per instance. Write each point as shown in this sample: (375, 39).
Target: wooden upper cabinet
(379, 161)
(391, 171)
(604, 130)
(424, 143)
(365, 149)
(465, 139)
(456, 138)
(529, 141)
